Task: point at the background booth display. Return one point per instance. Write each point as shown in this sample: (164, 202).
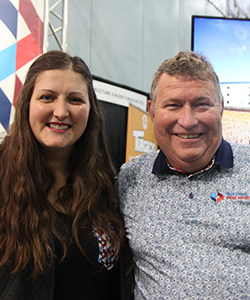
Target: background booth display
(21, 26)
(115, 100)
(140, 133)
(226, 43)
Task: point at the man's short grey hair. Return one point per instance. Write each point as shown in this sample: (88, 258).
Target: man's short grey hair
(187, 65)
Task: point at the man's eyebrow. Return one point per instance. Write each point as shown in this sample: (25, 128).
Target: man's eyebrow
(203, 98)
(173, 99)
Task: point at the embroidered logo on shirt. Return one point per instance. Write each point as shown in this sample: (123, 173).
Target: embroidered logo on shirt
(217, 197)
(238, 196)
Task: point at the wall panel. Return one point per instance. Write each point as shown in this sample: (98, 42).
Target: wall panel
(125, 41)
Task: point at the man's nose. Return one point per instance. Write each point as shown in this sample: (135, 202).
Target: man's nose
(187, 117)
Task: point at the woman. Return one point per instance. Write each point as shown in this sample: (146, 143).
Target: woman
(60, 232)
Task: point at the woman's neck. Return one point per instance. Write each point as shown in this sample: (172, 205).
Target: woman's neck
(59, 163)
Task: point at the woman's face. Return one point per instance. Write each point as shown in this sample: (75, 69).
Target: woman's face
(59, 109)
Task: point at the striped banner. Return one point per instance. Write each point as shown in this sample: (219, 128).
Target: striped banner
(21, 27)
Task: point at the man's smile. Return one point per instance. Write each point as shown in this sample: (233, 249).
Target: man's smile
(189, 136)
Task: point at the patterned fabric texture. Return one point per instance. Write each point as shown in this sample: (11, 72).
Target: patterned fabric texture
(106, 251)
(188, 247)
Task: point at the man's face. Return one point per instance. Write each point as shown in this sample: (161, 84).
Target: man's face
(187, 121)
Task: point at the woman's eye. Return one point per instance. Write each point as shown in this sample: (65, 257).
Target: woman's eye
(46, 97)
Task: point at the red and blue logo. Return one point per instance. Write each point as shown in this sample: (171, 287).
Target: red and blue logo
(217, 197)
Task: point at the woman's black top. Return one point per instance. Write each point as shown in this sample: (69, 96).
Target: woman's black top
(80, 276)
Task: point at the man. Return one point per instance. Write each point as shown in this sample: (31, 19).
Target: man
(187, 206)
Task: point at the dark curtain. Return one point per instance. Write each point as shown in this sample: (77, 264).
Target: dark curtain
(116, 130)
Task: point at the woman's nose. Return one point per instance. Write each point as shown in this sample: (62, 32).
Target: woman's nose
(61, 109)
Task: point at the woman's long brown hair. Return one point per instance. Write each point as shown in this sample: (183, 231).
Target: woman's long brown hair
(27, 219)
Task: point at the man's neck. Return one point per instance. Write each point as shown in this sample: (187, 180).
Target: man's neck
(195, 171)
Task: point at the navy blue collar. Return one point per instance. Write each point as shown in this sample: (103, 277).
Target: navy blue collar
(223, 157)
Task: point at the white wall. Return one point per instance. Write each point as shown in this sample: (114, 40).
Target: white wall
(126, 41)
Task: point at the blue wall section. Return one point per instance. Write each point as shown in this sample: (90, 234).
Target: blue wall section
(8, 14)
(7, 61)
(5, 110)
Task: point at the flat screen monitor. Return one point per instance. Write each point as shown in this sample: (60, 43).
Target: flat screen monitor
(226, 44)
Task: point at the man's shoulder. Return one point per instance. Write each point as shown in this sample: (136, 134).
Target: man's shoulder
(133, 174)
(240, 146)
(241, 151)
(241, 157)
(140, 162)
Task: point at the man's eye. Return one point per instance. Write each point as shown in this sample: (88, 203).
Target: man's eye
(203, 104)
(172, 105)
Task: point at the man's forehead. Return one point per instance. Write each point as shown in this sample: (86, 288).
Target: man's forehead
(170, 82)
(185, 77)
(177, 88)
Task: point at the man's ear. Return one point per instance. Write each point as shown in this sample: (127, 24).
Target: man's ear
(222, 108)
(151, 110)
